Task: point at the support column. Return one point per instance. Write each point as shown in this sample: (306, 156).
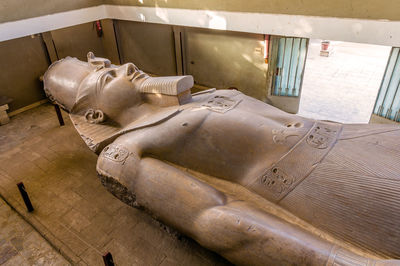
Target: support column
(109, 41)
(179, 50)
(51, 48)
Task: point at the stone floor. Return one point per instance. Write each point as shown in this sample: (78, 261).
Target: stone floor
(72, 209)
(342, 87)
(21, 245)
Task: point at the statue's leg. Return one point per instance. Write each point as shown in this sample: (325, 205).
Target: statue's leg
(246, 235)
(236, 230)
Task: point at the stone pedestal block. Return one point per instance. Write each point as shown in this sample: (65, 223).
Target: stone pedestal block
(4, 119)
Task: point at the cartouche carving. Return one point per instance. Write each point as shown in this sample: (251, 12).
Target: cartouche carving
(220, 104)
(321, 136)
(277, 181)
(115, 153)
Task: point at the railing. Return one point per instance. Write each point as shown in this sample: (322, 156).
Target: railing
(388, 101)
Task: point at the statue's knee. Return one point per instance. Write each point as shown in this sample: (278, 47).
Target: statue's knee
(230, 227)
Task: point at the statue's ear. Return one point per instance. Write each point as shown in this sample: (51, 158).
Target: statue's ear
(94, 116)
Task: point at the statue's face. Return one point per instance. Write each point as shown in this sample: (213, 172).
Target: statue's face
(111, 90)
(117, 91)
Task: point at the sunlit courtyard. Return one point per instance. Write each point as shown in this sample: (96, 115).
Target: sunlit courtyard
(343, 86)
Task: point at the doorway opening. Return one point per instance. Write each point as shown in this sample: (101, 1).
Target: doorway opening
(341, 80)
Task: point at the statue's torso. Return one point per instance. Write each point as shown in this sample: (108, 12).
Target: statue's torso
(235, 145)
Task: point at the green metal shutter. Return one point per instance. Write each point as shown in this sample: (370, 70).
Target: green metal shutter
(290, 61)
(387, 104)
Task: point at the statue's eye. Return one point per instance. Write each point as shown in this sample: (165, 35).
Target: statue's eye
(110, 76)
(130, 69)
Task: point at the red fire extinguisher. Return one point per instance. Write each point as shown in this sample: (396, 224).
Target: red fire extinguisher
(99, 29)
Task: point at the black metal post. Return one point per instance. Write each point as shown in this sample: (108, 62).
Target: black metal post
(25, 196)
(59, 115)
(108, 259)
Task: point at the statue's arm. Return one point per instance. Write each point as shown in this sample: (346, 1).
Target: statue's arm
(236, 230)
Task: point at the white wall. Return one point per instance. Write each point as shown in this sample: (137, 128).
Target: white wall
(381, 32)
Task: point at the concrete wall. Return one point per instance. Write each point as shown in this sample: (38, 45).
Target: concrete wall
(365, 9)
(218, 59)
(77, 41)
(109, 41)
(149, 46)
(11, 10)
(225, 59)
(23, 61)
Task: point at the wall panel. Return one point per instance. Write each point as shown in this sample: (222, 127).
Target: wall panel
(77, 41)
(23, 61)
(225, 59)
(11, 10)
(149, 46)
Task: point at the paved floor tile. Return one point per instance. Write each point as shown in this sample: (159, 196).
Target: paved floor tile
(20, 244)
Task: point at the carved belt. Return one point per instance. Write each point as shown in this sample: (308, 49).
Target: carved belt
(296, 165)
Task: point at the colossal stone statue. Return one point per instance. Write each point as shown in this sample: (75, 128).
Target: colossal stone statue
(242, 178)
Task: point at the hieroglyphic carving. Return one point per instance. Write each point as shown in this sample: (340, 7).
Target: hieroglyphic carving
(89, 142)
(296, 165)
(220, 104)
(115, 153)
(277, 181)
(321, 136)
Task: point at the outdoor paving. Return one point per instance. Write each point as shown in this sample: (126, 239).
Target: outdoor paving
(342, 87)
(72, 209)
(21, 245)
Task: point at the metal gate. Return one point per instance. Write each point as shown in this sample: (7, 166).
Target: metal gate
(387, 104)
(290, 54)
